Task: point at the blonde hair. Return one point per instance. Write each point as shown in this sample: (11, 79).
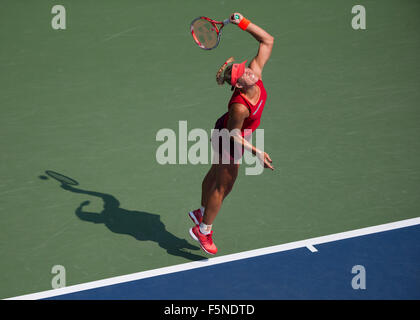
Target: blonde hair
(224, 73)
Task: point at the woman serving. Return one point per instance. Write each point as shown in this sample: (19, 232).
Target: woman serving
(243, 116)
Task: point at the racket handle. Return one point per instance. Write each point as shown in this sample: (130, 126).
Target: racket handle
(226, 21)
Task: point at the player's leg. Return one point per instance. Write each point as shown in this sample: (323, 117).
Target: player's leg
(209, 182)
(225, 178)
(225, 175)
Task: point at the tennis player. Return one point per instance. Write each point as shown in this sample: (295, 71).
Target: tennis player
(244, 112)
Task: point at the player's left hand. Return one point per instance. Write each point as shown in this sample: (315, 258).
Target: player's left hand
(265, 158)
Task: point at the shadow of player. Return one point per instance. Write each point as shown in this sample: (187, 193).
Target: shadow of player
(143, 226)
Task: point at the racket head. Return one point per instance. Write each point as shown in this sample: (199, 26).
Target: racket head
(205, 32)
(61, 178)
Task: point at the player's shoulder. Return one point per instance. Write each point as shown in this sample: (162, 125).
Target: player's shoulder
(239, 109)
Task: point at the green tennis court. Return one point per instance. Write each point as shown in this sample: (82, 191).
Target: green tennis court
(341, 124)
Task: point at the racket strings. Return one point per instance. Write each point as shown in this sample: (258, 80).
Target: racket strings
(205, 32)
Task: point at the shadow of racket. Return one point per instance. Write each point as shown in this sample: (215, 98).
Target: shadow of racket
(61, 178)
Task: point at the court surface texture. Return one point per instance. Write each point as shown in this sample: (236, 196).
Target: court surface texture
(336, 219)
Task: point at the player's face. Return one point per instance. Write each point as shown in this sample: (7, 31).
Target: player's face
(248, 79)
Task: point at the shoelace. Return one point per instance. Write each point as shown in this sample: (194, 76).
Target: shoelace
(207, 238)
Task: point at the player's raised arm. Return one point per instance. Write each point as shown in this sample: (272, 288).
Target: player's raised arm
(263, 37)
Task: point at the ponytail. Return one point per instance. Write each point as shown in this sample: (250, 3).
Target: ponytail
(223, 75)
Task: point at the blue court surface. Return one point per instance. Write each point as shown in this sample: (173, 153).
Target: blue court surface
(380, 265)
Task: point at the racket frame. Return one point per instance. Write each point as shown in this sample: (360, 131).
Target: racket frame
(215, 25)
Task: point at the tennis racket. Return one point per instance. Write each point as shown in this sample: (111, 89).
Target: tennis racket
(206, 32)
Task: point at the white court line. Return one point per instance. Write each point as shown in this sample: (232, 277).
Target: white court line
(312, 248)
(309, 243)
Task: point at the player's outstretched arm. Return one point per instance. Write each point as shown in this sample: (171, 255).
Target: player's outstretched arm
(263, 37)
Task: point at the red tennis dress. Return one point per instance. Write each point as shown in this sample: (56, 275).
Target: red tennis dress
(251, 122)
